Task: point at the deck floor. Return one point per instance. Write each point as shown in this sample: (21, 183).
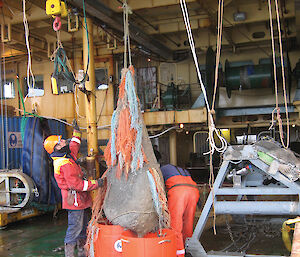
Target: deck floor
(42, 236)
(38, 236)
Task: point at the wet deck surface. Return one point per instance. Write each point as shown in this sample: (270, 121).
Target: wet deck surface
(40, 236)
(258, 237)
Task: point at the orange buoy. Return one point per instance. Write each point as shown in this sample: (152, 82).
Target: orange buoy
(108, 243)
(151, 245)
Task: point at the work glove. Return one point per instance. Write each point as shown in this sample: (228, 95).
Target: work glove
(75, 125)
(100, 182)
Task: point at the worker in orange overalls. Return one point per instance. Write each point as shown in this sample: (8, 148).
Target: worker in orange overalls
(183, 195)
(74, 188)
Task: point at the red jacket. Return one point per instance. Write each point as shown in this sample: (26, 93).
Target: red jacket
(69, 176)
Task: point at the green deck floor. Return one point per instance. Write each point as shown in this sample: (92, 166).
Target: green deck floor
(37, 236)
(40, 236)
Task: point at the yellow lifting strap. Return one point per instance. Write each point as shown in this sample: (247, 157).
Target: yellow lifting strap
(285, 232)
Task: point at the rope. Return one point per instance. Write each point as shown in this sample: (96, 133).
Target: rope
(66, 65)
(211, 182)
(165, 131)
(219, 43)
(24, 118)
(29, 68)
(126, 34)
(211, 125)
(76, 97)
(275, 77)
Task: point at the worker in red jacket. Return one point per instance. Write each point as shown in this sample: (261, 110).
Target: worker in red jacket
(74, 188)
(183, 195)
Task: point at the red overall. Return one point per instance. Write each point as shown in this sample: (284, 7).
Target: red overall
(69, 176)
(183, 196)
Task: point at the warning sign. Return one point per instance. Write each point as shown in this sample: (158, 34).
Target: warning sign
(14, 140)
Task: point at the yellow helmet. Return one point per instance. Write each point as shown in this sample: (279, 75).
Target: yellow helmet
(50, 142)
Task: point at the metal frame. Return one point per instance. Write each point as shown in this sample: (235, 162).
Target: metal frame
(193, 244)
(28, 190)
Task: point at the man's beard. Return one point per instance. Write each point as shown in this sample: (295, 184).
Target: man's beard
(65, 149)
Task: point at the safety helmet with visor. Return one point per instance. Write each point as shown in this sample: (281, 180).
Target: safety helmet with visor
(50, 143)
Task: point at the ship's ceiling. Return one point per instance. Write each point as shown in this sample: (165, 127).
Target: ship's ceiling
(156, 26)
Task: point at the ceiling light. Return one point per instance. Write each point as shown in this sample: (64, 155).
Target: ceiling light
(239, 16)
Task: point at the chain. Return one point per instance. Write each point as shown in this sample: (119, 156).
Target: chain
(230, 232)
(247, 234)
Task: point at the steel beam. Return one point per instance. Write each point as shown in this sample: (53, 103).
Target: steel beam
(221, 112)
(104, 15)
(257, 208)
(255, 191)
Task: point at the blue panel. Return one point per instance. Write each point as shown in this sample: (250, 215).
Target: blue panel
(36, 162)
(57, 128)
(31, 156)
(10, 155)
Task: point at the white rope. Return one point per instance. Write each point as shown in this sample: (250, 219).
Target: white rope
(219, 44)
(76, 97)
(275, 77)
(126, 34)
(165, 131)
(29, 68)
(211, 125)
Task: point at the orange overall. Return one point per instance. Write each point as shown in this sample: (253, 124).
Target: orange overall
(183, 196)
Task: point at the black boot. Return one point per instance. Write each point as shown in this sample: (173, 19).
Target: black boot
(80, 247)
(70, 250)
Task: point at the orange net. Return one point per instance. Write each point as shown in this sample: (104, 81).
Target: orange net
(124, 154)
(122, 144)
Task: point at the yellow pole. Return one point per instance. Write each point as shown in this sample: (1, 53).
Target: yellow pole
(110, 108)
(173, 148)
(90, 99)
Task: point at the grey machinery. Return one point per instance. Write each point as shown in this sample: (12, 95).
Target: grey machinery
(261, 169)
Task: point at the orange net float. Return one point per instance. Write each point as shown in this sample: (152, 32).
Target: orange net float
(151, 245)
